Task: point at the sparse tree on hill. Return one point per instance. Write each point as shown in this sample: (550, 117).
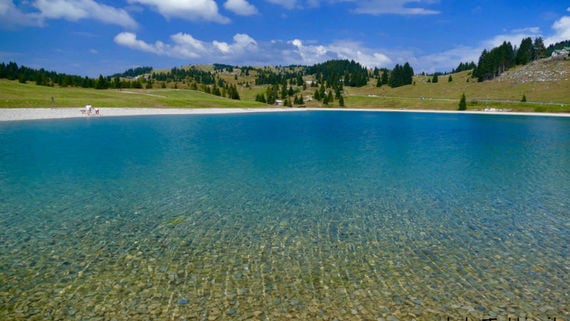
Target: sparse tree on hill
(325, 100)
(462, 103)
(384, 77)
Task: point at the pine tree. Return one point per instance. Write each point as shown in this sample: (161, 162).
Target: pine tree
(102, 83)
(525, 53)
(384, 77)
(539, 49)
(379, 82)
(317, 95)
(462, 103)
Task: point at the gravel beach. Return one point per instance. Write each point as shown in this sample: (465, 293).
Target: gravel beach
(16, 114)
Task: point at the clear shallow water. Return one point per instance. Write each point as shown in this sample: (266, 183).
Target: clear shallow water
(309, 215)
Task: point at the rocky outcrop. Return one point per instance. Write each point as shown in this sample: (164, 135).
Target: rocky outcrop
(539, 71)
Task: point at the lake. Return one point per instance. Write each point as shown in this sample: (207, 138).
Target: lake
(311, 215)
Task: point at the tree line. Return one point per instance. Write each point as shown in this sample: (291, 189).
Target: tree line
(133, 72)
(333, 72)
(23, 74)
(494, 62)
(557, 46)
(401, 75)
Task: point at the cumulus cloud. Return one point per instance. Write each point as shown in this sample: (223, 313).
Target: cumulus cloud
(378, 7)
(185, 46)
(561, 29)
(514, 37)
(307, 55)
(11, 16)
(185, 9)
(240, 7)
(74, 10)
(355, 51)
(244, 50)
(129, 39)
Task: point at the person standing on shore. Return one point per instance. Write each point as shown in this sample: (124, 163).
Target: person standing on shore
(52, 102)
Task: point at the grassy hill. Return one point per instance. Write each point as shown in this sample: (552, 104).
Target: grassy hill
(544, 83)
(14, 94)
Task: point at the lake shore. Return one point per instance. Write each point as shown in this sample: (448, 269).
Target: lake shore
(19, 114)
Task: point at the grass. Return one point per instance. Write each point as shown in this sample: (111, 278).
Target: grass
(14, 94)
(504, 93)
(546, 96)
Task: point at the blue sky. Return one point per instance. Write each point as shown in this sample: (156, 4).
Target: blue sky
(92, 37)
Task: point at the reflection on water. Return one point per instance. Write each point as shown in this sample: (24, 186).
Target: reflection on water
(312, 215)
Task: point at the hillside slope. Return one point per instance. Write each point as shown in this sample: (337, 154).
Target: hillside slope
(15, 95)
(545, 84)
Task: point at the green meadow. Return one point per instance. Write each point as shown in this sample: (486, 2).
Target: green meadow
(544, 85)
(14, 94)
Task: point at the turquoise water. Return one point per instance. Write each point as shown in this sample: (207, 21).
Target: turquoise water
(280, 216)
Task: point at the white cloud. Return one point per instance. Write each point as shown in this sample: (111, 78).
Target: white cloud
(129, 39)
(11, 16)
(378, 7)
(307, 55)
(186, 9)
(240, 7)
(185, 46)
(561, 29)
(367, 57)
(514, 37)
(74, 10)
(244, 50)
(301, 53)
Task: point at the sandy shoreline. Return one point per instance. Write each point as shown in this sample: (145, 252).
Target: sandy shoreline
(18, 114)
